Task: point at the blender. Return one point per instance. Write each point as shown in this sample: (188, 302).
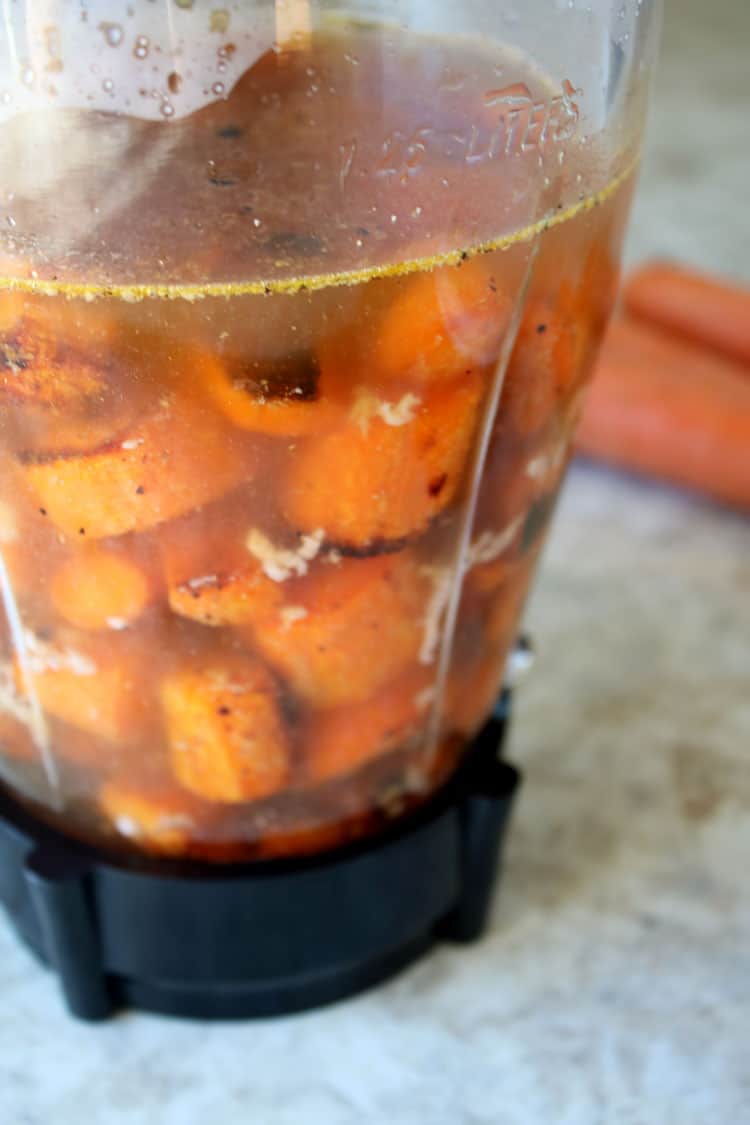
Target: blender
(298, 304)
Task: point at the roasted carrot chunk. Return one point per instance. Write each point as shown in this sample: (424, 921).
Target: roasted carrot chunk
(389, 471)
(547, 363)
(98, 589)
(346, 630)
(443, 323)
(53, 356)
(345, 738)
(227, 739)
(472, 692)
(65, 382)
(90, 687)
(158, 821)
(226, 599)
(178, 458)
(211, 575)
(287, 398)
(209, 540)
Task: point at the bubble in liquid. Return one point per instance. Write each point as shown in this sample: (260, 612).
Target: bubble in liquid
(416, 213)
(108, 85)
(166, 109)
(257, 223)
(141, 47)
(27, 75)
(221, 67)
(218, 89)
(112, 33)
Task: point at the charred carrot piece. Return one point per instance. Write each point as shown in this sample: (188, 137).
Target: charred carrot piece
(53, 358)
(442, 323)
(342, 740)
(64, 382)
(700, 308)
(99, 589)
(347, 629)
(226, 599)
(178, 458)
(157, 821)
(289, 398)
(662, 406)
(389, 471)
(227, 739)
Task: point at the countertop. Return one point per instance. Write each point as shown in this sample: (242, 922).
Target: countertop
(614, 983)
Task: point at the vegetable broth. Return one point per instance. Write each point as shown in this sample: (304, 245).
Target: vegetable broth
(287, 392)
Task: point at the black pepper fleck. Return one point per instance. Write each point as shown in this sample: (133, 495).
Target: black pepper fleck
(140, 490)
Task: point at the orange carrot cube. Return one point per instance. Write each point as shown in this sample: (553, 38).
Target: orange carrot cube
(176, 459)
(347, 629)
(389, 471)
(159, 821)
(99, 589)
(443, 323)
(341, 740)
(227, 739)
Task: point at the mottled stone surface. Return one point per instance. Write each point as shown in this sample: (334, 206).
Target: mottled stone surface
(614, 986)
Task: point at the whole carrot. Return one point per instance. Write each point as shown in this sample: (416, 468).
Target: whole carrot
(702, 308)
(661, 405)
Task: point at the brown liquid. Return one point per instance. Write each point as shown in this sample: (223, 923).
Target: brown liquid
(235, 529)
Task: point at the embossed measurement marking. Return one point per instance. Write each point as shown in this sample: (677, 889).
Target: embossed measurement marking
(513, 123)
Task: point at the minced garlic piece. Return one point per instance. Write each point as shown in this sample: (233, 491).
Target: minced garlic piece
(281, 563)
(43, 657)
(442, 588)
(291, 613)
(491, 544)
(368, 406)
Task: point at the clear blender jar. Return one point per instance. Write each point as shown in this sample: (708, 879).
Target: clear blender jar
(298, 303)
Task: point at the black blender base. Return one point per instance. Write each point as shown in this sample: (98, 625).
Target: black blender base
(236, 941)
